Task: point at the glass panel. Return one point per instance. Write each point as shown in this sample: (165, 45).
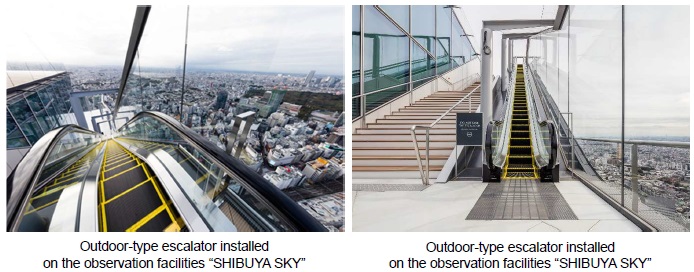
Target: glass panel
(37, 107)
(70, 148)
(356, 60)
(459, 51)
(595, 71)
(657, 108)
(401, 15)
(376, 99)
(423, 24)
(443, 37)
(15, 138)
(422, 64)
(20, 110)
(242, 206)
(386, 53)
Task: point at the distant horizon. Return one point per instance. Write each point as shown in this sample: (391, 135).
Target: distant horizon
(187, 68)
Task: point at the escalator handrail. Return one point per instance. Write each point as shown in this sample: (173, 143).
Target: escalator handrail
(541, 157)
(554, 142)
(488, 144)
(551, 107)
(500, 151)
(287, 207)
(22, 180)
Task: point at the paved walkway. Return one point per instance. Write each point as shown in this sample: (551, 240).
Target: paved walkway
(444, 207)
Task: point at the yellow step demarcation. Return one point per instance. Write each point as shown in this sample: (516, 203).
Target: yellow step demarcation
(107, 165)
(67, 178)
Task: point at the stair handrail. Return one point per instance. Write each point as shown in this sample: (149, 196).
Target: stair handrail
(413, 132)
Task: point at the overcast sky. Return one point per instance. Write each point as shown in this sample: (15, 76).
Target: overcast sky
(267, 39)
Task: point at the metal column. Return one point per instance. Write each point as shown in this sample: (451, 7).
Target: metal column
(504, 74)
(486, 75)
(634, 178)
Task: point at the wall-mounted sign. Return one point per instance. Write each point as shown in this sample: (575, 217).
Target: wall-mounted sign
(468, 129)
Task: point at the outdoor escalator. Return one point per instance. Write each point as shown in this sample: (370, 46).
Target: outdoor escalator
(153, 174)
(521, 147)
(519, 162)
(131, 198)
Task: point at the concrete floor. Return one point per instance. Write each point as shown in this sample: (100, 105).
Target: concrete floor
(444, 207)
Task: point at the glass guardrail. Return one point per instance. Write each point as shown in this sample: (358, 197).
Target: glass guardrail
(502, 131)
(539, 130)
(208, 175)
(56, 163)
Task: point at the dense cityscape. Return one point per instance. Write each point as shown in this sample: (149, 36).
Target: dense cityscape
(295, 146)
(664, 173)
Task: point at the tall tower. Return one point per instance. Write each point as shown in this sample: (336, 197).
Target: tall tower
(309, 77)
(221, 102)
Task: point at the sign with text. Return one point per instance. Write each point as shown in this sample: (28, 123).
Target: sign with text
(468, 129)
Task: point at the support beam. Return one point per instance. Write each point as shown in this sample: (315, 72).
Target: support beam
(498, 25)
(559, 18)
(78, 111)
(486, 75)
(517, 36)
(511, 60)
(138, 29)
(635, 178)
(504, 62)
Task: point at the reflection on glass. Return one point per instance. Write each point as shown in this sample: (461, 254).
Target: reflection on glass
(580, 67)
(392, 59)
(356, 60)
(443, 38)
(75, 148)
(240, 203)
(386, 54)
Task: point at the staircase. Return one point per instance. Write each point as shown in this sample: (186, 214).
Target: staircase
(384, 149)
(519, 162)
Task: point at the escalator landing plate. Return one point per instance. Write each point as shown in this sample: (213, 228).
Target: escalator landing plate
(521, 200)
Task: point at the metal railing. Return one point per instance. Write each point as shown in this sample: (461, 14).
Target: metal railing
(413, 131)
(635, 184)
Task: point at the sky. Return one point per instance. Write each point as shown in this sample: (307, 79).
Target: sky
(280, 39)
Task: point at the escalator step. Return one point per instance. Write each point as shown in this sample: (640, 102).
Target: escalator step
(41, 201)
(128, 209)
(124, 165)
(157, 223)
(123, 182)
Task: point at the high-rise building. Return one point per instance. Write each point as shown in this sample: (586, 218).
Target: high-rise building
(309, 77)
(37, 102)
(340, 120)
(273, 104)
(221, 100)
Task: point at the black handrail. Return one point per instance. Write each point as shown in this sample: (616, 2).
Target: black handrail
(488, 149)
(554, 143)
(21, 182)
(287, 207)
